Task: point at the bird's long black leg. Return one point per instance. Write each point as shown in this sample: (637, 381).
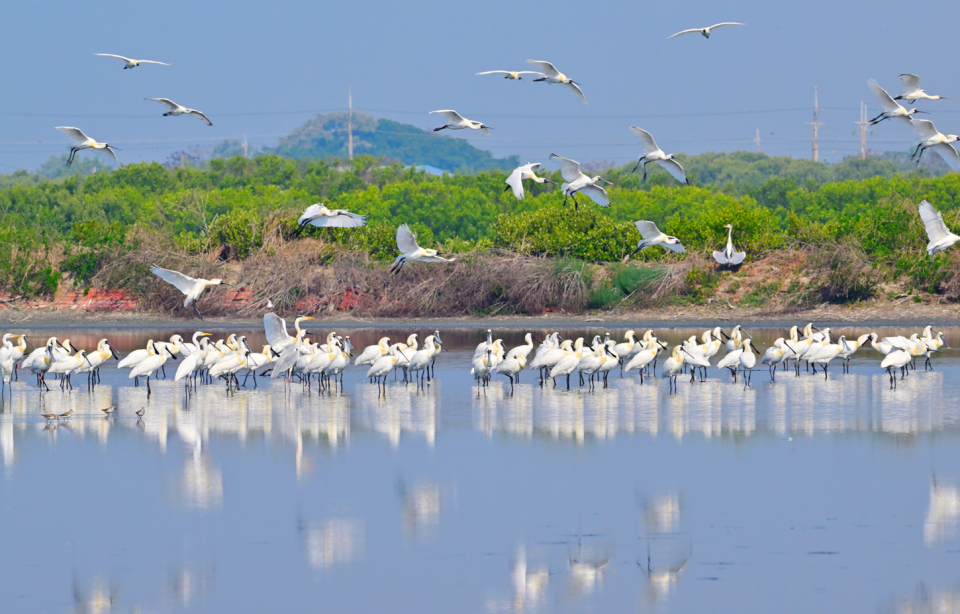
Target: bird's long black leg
(197, 311)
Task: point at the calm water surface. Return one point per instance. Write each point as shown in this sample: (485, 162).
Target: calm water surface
(802, 495)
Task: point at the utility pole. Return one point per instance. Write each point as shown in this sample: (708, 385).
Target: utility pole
(863, 124)
(756, 140)
(350, 123)
(245, 153)
(816, 123)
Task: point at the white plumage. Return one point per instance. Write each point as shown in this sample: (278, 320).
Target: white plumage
(912, 91)
(318, 215)
(191, 287)
(552, 75)
(82, 141)
(729, 256)
(653, 153)
(130, 62)
(520, 174)
(937, 232)
(705, 31)
(455, 121)
(577, 181)
(176, 109)
(939, 142)
(410, 250)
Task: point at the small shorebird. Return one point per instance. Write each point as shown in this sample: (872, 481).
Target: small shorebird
(141, 411)
(109, 410)
(50, 416)
(66, 414)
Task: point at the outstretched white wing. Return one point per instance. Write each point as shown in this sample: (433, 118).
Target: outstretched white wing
(720, 257)
(910, 82)
(406, 241)
(885, 100)
(673, 167)
(495, 72)
(183, 283)
(515, 181)
(74, 133)
(675, 247)
(275, 328)
(738, 257)
(310, 214)
(152, 62)
(949, 155)
(119, 57)
(597, 195)
(574, 89)
(646, 139)
(200, 116)
(165, 102)
(570, 169)
(933, 222)
(924, 128)
(724, 25)
(108, 152)
(342, 219)
(450, 116)
(435, 259)
(682, 32)
(546, 68)
(648, 230)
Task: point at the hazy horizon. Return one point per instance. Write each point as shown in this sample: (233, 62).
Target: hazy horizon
(261, 74)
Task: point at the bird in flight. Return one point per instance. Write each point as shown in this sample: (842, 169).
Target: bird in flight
(578, 181)
(84, 142)
(130, 62)
(455, 121)
(933, 138)
(940, 236)
(176, 109)
(653, 153)
(521, 173)
(653, 236)
(891, 110)
(318, 215)
(191, 287)
(706, 31)
(410, 250)
(912, 92)
(515, 75)
(552, 75)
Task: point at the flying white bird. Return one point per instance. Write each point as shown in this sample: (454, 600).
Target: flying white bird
(176, 109)
(130, 62)
(933, 138)
(84, 142)
(940, 237)
(912, 91)
(320, 216)
(652, 153)
(705, 31)
(577, 181)
(728, 255)
(892, 110)
(652, 236)
(190, 286)
(552, 75)
(409, 250)
(519, 174)
(515, 75)
(459, 122)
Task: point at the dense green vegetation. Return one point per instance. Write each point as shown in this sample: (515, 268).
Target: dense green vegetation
(235, 207)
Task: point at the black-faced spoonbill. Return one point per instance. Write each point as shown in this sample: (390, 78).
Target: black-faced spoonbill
(653, 153)
(522, 173)
(409, 250)
(84, 142)
(891, 110)
(177, 109)
(705, 32)
(912, 92)
(130, 62)
(933, 138)
(552, 75)
(455, 121)
(940, 237)
(577, 181)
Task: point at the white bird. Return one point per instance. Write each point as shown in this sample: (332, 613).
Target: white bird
(82, 141)
(931, 137)
(515, 75)
(912, 92)
(673, 366)
(176, 109)
(149, 365)
(371, 353)
(899, 358)
(577, 181)
(130, 62)
(409, 250)
(706, 31)
(552, 75)
(521, 173)
(652, 236)
(275, 329)
(318, 215)
(940, 237)
(511, 367)
(482, 366)
(892, 110)
(775, 354)
(568, 363)
(728, 255)
(191, 287)
(653, 153)
(455, 121)
(383, 366)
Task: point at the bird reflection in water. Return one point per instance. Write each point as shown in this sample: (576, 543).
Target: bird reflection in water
(201, 485)
(943, 513)
(662, 580)
(184, 585)
(408, 409)
(331, 542)
(587, 568)
(98, 598)
(927, 601)
(421, 505)
(661, 514)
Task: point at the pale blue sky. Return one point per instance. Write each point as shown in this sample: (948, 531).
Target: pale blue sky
(254, 67)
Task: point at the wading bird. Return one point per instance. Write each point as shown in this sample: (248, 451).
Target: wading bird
(706, 32)
(318, 215)
(552, 75)
(912, 92)
(652, 236)
(577, 181)
(729, 256)
(455, 121)
(514, 75)
(82, 141)
(130, 62)
(191, 287)
(522, 173)
(940, 237)
(409, 250)
(176, 109)
(933, 138)
(891, 110)
(653, 153)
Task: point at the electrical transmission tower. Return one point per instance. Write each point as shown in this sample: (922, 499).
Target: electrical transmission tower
(864, 126)
(816, 123)
(756, 140)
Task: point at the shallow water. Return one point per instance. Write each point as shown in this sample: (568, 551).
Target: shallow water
(796, 496)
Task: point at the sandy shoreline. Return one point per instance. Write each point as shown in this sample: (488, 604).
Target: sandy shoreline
(866, 315)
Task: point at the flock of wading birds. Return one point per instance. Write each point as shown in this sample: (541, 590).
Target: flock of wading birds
(576, 181)
(295, 357)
